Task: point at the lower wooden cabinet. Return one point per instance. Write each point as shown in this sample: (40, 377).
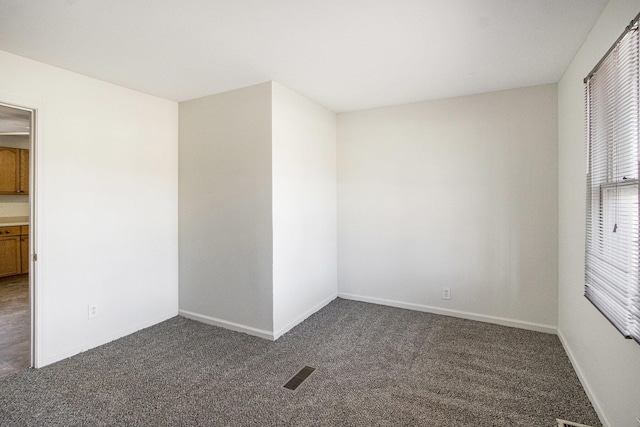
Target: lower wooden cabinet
(24, 254)
(14, 250)
(10, 253)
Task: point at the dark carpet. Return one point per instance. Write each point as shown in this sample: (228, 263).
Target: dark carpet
(375, 366)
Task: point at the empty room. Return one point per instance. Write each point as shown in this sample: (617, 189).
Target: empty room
(305, 213)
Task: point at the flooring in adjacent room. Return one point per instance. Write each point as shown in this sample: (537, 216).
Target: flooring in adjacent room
(374, 365)
(14, 324)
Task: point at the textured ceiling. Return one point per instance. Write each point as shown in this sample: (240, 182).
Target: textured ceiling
(345, 55)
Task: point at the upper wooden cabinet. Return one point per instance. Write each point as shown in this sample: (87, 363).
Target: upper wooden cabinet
(14, 171)
(9, 170)
(24, 172)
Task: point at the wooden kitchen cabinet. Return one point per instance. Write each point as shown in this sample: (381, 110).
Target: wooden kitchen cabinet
(14, 250)
(9, 170)
(10, 252)
(14, 171)
(24, 251)
(23, 187)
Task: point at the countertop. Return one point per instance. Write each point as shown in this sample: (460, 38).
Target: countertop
(7, 221)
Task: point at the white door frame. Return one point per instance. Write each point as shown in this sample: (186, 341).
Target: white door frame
(33, 295)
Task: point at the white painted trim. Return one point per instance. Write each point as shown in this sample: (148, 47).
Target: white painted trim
(583, 380)
(36, 299)
(227, 324)
(107, 339)
(303, 316)
(531, 326)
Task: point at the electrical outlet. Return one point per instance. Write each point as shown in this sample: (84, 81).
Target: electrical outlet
(446, 293)
(93, 310)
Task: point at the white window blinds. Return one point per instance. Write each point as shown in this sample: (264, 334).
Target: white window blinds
(612, 250)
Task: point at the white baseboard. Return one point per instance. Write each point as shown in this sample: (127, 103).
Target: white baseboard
(44, 361)
(272, 336)
(583, 380)
(531, 326)
(228, 325)
(303, 316)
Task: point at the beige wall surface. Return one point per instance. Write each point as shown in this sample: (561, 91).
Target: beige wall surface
(107, 192)
(304, 208)
(608, 365)
(458, 193)
(225, 213)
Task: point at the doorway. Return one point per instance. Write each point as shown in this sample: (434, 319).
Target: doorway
(17, 141)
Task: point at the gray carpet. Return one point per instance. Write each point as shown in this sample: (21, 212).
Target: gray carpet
(375, 366)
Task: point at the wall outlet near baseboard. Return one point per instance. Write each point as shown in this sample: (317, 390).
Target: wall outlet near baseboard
(93, 310)
(446, 293)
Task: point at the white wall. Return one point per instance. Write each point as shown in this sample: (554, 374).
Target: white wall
(608, 365)
(15, 141)
(304, 208)
(12, 208)
(107, 186)
(458, 193)
(226, 254)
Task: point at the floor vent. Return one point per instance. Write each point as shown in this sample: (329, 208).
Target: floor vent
(564, 423)
(299, 378)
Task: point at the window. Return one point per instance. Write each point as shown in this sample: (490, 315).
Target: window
(612, 93)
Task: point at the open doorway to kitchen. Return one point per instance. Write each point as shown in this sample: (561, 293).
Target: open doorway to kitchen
(17, 141)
